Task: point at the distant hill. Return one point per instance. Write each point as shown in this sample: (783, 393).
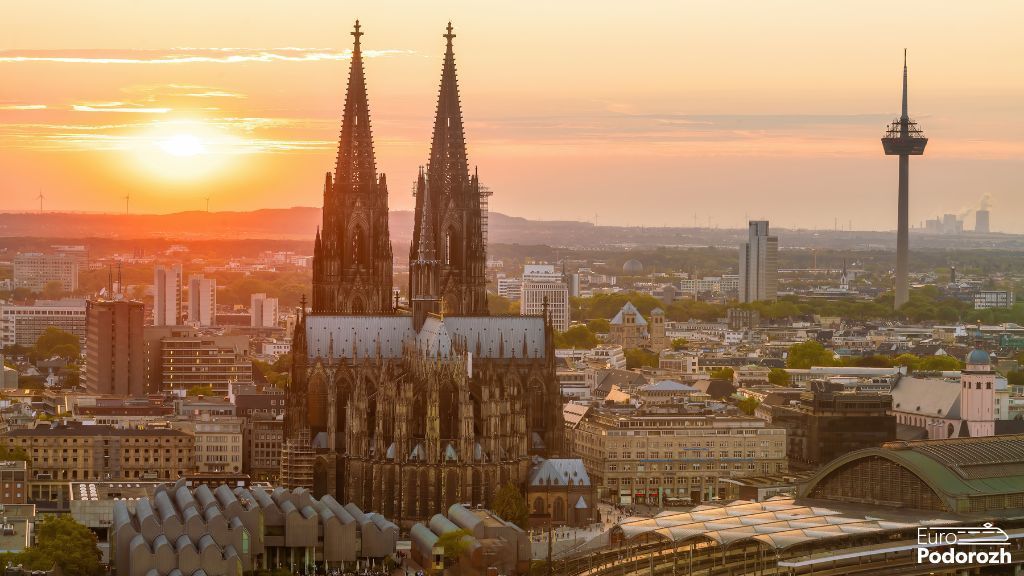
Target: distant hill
(299, 224)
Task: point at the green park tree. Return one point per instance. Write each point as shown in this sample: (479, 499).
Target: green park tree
(639, 358)
(578, 336)
(7, 454)
(52, 290)
(748, 404)
(778, 376)
(454, 544)
(56, 342)
(722, 374)
(62, 541)
(510, 504)
(911, 361)
(809, 353)
(939, 363)
(501, 305)
(599, 325)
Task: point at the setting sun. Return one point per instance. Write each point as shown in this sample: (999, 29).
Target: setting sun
(183, 145)
(182, 149)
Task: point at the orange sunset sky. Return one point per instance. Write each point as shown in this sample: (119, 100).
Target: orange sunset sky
(637, 112)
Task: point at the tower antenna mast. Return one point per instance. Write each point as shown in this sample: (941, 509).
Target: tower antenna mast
(903, 138)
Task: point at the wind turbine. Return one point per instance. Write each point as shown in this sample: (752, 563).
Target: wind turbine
(40, 200)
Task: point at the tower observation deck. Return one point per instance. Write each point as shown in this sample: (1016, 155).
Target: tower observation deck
(903, 138)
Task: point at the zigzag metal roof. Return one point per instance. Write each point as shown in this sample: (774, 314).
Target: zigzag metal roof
(778, 523)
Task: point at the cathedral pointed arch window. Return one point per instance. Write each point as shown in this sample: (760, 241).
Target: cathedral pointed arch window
(358, 248)
(558, 512)
(538, 506)
(452, 254)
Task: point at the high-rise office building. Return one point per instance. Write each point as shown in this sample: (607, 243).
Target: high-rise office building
(189, 359)
(263, 311)
(541, 273)
(24, 324)
(759, 264)
(34, 271)
(167, 295)
(202, 300)
(537, 295)
(114, 358)
(543, 286)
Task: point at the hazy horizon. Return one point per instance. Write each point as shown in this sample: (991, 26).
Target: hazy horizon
(674, 115)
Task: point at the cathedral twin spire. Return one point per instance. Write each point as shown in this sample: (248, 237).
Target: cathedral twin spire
(352, 272)
(352, 263)
(356, 162)
(454, 207)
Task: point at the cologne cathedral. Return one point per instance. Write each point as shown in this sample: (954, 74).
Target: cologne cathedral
(408, 410)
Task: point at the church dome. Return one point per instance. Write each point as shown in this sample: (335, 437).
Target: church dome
(978, 356)
(632, 267)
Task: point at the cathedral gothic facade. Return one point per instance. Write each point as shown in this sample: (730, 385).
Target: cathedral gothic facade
(408, 411)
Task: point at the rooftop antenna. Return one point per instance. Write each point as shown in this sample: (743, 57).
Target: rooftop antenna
(110, 281)
(120, 286)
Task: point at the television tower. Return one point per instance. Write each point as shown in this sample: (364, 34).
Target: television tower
(903, 138)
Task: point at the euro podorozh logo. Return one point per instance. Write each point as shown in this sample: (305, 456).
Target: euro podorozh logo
(963, 545)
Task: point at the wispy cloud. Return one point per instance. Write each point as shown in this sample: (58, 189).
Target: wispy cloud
(226, 136)
(118, 107)
(154, 91)
(22, 106)
(187, 55)
(213, 94)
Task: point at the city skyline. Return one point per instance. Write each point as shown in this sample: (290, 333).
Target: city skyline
(714, 126)
(629, 302)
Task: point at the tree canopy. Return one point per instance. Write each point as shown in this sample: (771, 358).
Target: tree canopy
(748, 404)
(277, 374)
(638, 358)
(608, 305)
(56, 342)
(599, 325)
(578, 336)
(510, 504)
(778, 376)
(809, 353)
(926, 304)
(200, 391)
(63, 541)
(454, 544)
(722, 373)
(927, 363)
(7, 454)
(500, 305)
